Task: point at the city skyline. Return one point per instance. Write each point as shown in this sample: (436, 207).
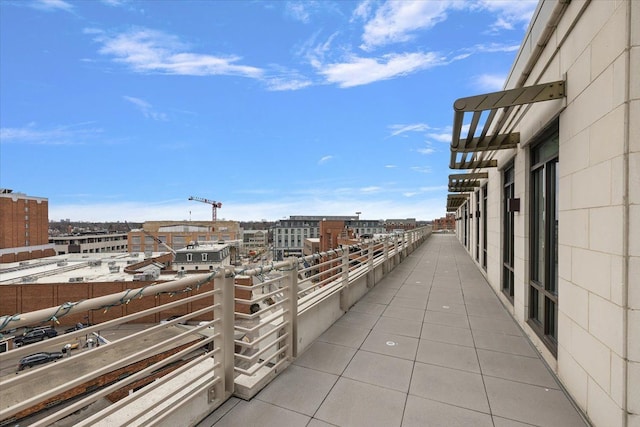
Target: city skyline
(122, 110)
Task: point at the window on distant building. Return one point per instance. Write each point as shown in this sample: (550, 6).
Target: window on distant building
(204, 256)
(189, 257)
(543, 281)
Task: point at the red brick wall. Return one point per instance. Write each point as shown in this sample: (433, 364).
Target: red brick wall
(13, 221)
(16, 299)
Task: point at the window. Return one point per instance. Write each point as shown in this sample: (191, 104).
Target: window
(484, 227)
(465, 224)
(204, 256)
(508, 193)
(189, 257)
(543, 280)
(477, 218)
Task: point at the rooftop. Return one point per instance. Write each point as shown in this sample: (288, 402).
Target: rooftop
(95, 267)
(431, 344)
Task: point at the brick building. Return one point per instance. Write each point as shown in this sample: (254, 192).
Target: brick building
(178, 234)
(24, 227)
(447, 222)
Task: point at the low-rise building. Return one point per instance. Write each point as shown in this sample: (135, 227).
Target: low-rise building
(88, 243)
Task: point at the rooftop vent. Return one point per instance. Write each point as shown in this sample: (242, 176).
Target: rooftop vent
(76, 279)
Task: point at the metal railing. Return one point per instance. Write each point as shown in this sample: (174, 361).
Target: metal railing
(252, 336)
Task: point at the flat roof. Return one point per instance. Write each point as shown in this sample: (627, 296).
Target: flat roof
(94, 267)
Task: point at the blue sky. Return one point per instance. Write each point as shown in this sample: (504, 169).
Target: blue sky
(120, 110)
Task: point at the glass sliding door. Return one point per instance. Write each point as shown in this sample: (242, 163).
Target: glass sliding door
(543, 281)
(484, 227)
(508, 193)
(477, 225)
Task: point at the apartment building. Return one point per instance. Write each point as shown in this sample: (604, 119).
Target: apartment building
(255, 240)
(546, 196)
(24, 227)
(289, 234)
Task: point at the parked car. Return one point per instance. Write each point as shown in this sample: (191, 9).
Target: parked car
(35, 335)
(38, 359)
(77, 327)
(169, 319)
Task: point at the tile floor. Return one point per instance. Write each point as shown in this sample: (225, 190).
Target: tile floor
(430, 345)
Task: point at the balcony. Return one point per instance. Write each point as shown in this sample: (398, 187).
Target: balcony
(410, 334)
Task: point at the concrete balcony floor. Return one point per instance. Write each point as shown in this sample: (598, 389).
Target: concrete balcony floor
(430, 345)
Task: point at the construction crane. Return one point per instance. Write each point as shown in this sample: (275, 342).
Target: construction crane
(214, 206)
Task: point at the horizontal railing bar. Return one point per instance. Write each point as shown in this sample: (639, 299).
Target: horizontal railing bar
(111, 388)
(106, 325)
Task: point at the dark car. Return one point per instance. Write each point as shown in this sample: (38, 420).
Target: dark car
(35, 335)
(38, 359)
(77, 327)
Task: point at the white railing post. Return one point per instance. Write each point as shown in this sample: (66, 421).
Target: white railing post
(371, 277)
(345, 299)
(385, 264)
(291, 292)
(226, 312)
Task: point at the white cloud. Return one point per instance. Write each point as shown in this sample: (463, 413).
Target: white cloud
(390, 166)
(51, 5)
(146, 108)
(61, 135)
(510, 13)
(426, 151)
(395, 21)
(298, 11)
(371, 189)
(324, 159)
(362, 11)
(177, 210)
(113, 2)
(416, 127)
(490, 82)
(149, 51)
(444, 136)
(358, 71)
(282, 84)
(421, 169)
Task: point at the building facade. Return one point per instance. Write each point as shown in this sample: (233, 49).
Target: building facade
(255, 241)
(155, 236)
(201, 257)
(446, 223)
(289, 234)
(547, 198)
(24, 227)
(85, 243)
(400, 224)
